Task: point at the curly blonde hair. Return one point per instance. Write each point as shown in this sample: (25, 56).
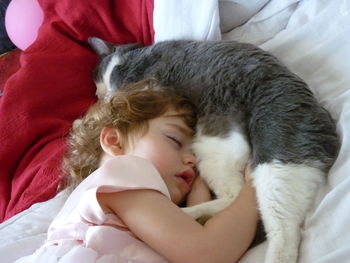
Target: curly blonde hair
(129, 111)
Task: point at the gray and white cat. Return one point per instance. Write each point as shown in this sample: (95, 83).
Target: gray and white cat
(250, 107)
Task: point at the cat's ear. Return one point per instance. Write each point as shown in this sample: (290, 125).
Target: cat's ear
(101, 47)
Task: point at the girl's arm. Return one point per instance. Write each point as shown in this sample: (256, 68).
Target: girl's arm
(176, 236)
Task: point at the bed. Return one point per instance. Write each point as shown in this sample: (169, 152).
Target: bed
(49, 85)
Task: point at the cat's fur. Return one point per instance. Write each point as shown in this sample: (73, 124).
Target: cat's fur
(250, 106)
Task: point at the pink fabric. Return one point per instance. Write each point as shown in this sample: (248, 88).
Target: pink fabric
(54, 86)
(82, 231)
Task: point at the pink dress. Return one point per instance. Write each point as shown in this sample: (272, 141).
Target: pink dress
(82, 232)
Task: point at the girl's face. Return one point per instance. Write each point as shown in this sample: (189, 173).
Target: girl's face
(167, 144)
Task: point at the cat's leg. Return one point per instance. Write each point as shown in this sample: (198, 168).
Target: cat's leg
(207, 209)
(221, 162)
(284, 193)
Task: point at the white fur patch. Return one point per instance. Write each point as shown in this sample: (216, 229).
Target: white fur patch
(222, 161)
(284, 193)
(115, 60)
(101, 90)
(221, 164)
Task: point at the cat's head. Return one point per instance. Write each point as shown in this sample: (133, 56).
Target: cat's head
(112, 58)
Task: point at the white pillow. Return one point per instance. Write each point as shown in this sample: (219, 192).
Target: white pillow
(234, 13)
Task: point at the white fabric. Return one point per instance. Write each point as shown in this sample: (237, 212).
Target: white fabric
(234, 13)
(184, 19)
(264, 25)
(200, 19)
(312, 37)
(25, 232)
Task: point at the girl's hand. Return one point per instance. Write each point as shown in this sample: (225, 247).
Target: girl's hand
(200, 193)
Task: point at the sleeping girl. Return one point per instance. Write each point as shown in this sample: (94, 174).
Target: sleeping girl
(131, 166)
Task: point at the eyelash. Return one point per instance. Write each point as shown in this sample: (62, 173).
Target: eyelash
(178, 143)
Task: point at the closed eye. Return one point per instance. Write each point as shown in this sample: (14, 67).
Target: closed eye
(176, 141)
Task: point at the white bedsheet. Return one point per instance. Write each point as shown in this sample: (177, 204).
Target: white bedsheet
(312, 37)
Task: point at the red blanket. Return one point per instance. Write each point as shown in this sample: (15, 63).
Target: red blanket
(54, 86)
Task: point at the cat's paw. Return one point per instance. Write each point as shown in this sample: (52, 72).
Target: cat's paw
(195, 212)
(202, 212)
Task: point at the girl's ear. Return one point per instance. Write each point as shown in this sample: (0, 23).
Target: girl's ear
(110, 141)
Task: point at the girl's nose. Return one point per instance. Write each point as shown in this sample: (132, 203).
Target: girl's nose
(190, 159)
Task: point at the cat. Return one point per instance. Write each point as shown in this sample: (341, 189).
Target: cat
(250, 106)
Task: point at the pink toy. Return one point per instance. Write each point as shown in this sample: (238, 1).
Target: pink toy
(22, 20)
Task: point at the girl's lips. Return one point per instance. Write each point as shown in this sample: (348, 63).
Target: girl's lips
(186, 178)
